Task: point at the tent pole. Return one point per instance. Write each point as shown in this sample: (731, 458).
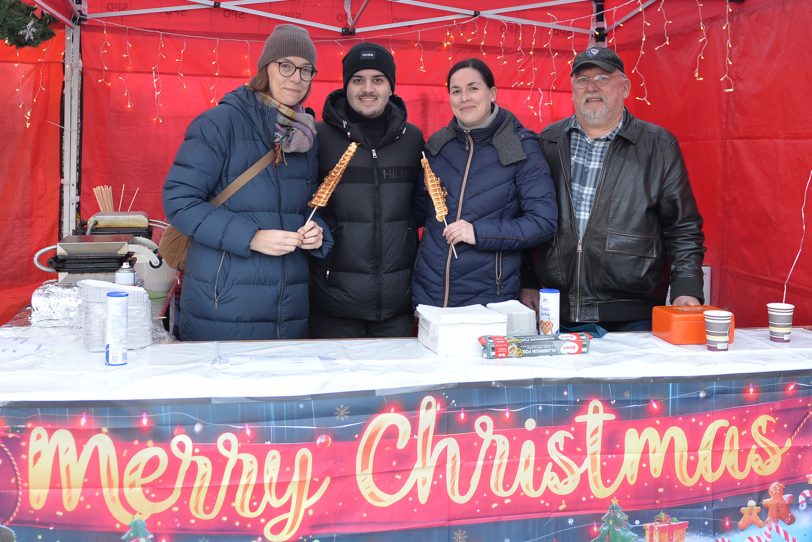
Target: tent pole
(599, 30)
(628, 16)
(71, 137)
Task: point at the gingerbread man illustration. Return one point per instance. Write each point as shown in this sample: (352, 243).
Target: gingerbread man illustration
(778, 505)
(750, 515)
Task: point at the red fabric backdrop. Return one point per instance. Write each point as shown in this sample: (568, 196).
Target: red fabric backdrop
(747, 151)
(29, 162)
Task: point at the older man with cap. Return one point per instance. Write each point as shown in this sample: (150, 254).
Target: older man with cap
(363, 289)
(628, 224)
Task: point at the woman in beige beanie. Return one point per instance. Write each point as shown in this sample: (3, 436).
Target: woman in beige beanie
(246, 272)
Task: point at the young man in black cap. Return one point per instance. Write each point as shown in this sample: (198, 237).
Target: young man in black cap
(628, 223)
(364, 288)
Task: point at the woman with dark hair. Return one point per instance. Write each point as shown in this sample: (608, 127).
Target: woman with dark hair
(500, 198)
(246, 274)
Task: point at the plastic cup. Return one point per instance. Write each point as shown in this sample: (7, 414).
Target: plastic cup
(717, 329)
(779, 317)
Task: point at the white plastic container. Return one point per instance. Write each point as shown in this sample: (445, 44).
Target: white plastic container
(549, 320)
(115, 334)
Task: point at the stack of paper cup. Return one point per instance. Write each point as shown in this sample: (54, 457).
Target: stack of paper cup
(779, 317)
(717, 329)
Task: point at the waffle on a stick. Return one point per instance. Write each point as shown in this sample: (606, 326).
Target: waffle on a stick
(328, 185)
(436, 190)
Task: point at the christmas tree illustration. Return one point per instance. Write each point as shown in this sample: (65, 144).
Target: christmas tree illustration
(615, 526)
(138, 532)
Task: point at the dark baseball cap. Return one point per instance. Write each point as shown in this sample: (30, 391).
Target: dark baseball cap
(597, 56)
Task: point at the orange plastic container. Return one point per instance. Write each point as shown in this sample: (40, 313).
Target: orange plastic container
(682, 325)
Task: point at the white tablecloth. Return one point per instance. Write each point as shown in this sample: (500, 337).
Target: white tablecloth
(51, 364)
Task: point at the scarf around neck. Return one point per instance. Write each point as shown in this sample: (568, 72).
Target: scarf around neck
(294, 129)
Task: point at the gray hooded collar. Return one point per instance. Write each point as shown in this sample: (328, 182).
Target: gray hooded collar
(501, 133)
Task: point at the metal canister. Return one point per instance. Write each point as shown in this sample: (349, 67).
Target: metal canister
(549, 322)
(125, 275)
(115, 335)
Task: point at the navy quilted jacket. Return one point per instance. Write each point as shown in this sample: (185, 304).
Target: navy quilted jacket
(497, 179)
(229, 291)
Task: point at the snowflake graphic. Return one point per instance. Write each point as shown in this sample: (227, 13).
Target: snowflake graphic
(460, 536)
(570, 521)
(204, 539)
(29, 31)
(342, 412)
(626, 394)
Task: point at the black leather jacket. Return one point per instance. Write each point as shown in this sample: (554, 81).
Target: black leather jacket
(644, 229)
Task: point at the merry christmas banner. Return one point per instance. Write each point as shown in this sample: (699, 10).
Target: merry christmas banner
(535, 462)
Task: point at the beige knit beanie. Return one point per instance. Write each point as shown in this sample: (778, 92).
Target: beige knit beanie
(287, 40)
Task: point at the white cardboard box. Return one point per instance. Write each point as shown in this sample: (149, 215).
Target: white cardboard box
(521, 320)
(454, 331)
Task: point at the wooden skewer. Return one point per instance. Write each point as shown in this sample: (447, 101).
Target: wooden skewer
(97, 191)
(121, 199)
(452, 244)
(133, 200)
(311, 216)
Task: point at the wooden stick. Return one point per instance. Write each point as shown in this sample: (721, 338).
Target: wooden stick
(311, 216)
(121, 199)
(452, 244)
(133, 200)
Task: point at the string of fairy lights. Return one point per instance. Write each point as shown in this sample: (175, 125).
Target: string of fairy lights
(703, 40)
(28, 107)
(455, 32)
(636, 69)
(725, 79)
(525, 60)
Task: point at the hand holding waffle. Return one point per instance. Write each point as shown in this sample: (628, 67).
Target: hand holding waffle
(460, 231)
(311, 235)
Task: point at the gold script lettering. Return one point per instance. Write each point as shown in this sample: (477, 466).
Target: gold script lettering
(59, 452)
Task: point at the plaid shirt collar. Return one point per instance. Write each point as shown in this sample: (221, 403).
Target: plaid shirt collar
(575, 125)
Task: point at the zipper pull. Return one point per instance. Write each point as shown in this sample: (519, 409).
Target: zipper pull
(578, 248)
(327, 275)
(374, 154)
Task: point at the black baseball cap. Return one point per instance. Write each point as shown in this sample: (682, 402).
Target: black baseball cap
(597, 56)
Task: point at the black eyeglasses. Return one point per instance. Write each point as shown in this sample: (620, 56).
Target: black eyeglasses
(287, 69)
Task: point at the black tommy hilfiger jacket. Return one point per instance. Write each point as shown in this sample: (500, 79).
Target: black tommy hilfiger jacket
(371, 214)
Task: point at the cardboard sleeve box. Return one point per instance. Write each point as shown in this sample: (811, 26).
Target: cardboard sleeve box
(682, 325)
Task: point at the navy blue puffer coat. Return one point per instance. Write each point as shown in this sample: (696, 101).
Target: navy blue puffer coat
(497, 179)
(229, 291)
